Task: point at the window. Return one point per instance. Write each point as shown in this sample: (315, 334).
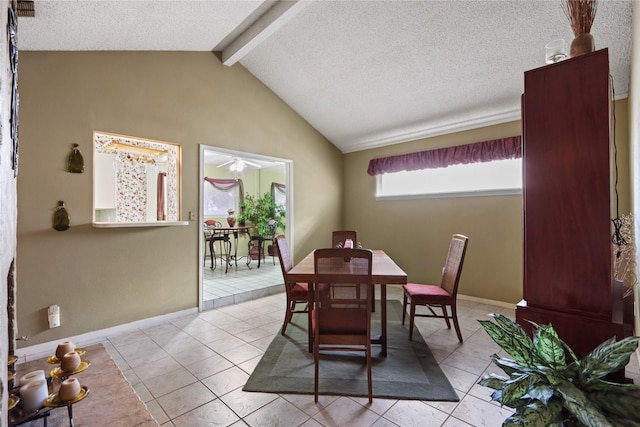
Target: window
(220, 195)
(495, 177)
(480, 168)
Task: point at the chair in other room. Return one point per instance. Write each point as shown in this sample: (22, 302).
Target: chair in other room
(339, 237)
(259, 240)
(297, 293)
(341, 316)
(223, 239)
(438, 296)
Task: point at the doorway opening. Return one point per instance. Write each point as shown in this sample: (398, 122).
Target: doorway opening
(236, 271)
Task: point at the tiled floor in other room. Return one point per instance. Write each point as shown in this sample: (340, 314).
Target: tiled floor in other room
(241, 283)
(190, 372)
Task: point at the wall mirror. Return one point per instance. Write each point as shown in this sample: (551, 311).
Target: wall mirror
(136, 181)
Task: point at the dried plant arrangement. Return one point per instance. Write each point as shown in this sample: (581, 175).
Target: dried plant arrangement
(581, 14)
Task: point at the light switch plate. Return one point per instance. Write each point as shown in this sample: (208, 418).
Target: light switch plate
(193, 216)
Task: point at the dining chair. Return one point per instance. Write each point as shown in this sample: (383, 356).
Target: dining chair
(438, 296)
(339, 237)
(297, 293)
(258, 239)
(341, 317)
(223, 239)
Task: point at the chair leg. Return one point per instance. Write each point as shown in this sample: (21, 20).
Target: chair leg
(404, 308)
(446, 316)
(316, 359)
(288, 315)
(212, 250)
(412, 317)
(454, 316)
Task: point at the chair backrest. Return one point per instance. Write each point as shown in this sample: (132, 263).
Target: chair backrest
(339, 236)
(453, 266)
(207, 229)
(282, 248)
(270, 228)
(344, 298)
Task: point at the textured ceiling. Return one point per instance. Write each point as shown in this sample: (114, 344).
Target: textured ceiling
(363, 73)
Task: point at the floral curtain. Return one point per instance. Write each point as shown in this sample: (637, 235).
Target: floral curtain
(485, 151)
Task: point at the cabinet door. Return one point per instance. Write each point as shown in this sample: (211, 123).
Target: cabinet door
(566, 166)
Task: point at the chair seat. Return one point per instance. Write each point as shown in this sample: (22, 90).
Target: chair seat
(434, 293)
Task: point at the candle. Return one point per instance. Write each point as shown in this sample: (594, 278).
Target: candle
(33, 395)
(32, 376)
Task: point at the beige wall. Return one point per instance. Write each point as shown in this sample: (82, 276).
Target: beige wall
(417, 232)
(106, 277)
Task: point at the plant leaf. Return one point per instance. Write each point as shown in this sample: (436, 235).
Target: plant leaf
(548, 346)
(515, 388)
(493, 381)
(536, 414)
(610, 387)
(623, 405)
(577, 403)
(608, 357)
(554, 377)
(509, 366)
(542, 392)
(518, 347)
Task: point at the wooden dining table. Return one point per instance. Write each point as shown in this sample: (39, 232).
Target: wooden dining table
(384, 271)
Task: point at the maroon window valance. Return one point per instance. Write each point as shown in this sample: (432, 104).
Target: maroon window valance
(223, 184)
(485, 151)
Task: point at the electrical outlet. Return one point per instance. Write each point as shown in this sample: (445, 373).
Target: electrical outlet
(193, 216)
(54, 316)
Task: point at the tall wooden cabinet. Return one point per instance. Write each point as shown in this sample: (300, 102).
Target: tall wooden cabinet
(567, 184)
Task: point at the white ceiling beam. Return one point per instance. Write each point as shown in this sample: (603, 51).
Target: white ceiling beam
(268, 23)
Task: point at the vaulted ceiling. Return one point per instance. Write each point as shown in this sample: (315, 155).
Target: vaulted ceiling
(363, 73)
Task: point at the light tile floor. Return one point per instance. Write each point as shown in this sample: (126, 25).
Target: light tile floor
(190, 372)
(241, 283)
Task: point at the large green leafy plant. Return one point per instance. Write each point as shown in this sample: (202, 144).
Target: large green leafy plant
(546, 391)
(259, 211)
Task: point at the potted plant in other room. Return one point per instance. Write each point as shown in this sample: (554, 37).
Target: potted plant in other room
(546, 391)
(258, 211)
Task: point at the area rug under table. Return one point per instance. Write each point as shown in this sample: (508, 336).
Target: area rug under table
(408, 372)
(111, 400)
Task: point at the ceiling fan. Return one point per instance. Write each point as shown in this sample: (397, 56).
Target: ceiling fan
(238, 164)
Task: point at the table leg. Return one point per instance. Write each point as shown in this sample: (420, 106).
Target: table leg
(310, 298)
(383, 318)
(235, 253)
(211, 252)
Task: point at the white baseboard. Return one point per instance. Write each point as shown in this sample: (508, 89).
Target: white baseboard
(41, 350)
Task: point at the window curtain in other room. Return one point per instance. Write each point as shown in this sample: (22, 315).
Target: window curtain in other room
(485, 151)
(228, 184)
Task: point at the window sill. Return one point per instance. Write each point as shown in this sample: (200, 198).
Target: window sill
(139, 224)
(506, 192)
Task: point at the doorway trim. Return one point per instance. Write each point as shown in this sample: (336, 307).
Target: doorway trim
(288, 168)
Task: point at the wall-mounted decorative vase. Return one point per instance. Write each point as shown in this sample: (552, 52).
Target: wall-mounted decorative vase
(75, 161)
(60, 218)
